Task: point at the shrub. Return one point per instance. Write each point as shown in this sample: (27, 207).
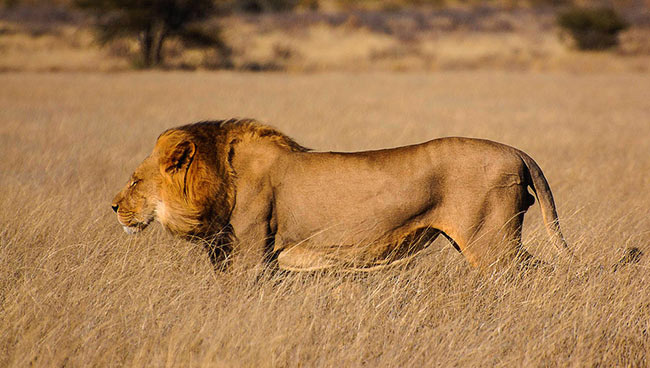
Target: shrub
(261, 6)
(592, 28)
(152, 22)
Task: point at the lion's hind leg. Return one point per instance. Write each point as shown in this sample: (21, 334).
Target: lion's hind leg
(488, 233)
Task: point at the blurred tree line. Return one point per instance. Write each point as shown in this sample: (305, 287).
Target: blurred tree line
(594, 25)
(155, 21)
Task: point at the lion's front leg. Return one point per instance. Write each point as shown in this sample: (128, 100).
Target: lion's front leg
(251, 217)
(252, 251)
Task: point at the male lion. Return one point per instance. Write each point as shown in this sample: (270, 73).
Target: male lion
(256, 197)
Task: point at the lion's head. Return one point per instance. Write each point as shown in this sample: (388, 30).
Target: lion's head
(185, 184)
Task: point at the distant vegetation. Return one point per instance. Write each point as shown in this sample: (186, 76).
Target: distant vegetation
(152, 22)
(260, 6)
(307, 35)
(282, 5)
(592, 28)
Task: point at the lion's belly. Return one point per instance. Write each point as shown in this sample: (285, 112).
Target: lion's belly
(341, 209)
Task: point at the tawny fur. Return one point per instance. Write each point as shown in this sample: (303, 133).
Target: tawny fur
(253, 191)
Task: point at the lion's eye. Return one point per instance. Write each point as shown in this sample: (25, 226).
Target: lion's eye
(133, 183)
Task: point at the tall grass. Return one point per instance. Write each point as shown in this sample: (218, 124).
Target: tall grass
(76, 291)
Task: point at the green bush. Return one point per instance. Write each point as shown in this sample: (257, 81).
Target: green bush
(592, 28)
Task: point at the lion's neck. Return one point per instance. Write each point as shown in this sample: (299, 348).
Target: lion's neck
(256, 157)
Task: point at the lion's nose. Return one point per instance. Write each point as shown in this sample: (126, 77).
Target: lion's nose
(115, 207)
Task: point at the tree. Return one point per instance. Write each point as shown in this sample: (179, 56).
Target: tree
(592, 28)
(152, 21)
(261, 6)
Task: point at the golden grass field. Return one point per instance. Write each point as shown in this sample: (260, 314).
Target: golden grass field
(75, 290)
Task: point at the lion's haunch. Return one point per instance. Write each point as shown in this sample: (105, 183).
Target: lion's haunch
(256, 196)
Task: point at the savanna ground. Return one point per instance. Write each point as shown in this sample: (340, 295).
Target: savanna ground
(75, 290)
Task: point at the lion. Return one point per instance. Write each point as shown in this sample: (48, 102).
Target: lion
(257, 198)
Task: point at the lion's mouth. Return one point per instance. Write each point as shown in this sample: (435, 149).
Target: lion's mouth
(134, 228)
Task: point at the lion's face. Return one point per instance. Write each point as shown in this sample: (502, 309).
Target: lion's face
(136, 204)
(174, 187)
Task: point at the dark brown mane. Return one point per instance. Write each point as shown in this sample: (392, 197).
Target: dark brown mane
(238, 127)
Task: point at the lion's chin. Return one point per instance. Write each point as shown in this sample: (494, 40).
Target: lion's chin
(131, 229)
(135, 229)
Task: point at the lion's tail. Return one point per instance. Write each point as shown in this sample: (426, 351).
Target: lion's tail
(545, 198)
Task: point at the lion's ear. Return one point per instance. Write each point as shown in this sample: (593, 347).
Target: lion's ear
(178, 156)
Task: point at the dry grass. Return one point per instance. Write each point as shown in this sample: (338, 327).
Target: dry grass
(62, 48)
(76, 291)
(420, 40)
